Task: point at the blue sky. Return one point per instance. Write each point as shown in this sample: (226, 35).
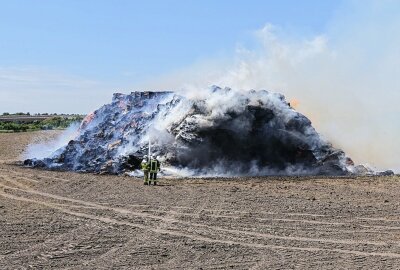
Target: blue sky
(338, 59)
(118, 44)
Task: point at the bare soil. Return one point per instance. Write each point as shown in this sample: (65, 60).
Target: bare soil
(66, 220)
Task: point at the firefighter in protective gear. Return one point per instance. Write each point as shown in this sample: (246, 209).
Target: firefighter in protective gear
(145, 168)
(154, 168)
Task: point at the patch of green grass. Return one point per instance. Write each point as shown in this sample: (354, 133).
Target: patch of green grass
(56, 122)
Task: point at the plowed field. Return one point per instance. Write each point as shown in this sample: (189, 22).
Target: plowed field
(66, 220)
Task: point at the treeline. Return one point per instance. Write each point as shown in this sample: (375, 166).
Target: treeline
(35, 114)
(56, 122)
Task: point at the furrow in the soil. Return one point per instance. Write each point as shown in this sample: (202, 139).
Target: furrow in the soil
(237, 214)
(197, 237)
(215, 228)
(344, 220)
(15, 184)
(275, 222)
(42, 245)
(230, 265)
(23, 176)
(240, 214)
(169, 220)
(191, 224)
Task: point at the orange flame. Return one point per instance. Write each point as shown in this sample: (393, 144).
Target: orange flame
(294, 103)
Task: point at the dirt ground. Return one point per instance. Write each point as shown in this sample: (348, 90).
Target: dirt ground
(65, 220)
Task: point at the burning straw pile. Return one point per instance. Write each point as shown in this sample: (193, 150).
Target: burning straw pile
(228, 133)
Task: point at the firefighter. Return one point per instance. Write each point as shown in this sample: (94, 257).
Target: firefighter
(145, 168)
(154, 168)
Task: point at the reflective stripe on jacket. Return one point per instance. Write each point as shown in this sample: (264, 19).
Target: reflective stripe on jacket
(154, 166)
(145, 166)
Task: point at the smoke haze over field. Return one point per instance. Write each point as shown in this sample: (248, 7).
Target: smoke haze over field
(47, 148)
(346, 80)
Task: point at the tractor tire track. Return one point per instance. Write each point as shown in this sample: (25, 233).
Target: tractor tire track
(196, 237)
(173, 220)
(90, 205)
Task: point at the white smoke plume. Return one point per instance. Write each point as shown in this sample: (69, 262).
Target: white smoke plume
(230, 133)
(346, 80)
(47, 148)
